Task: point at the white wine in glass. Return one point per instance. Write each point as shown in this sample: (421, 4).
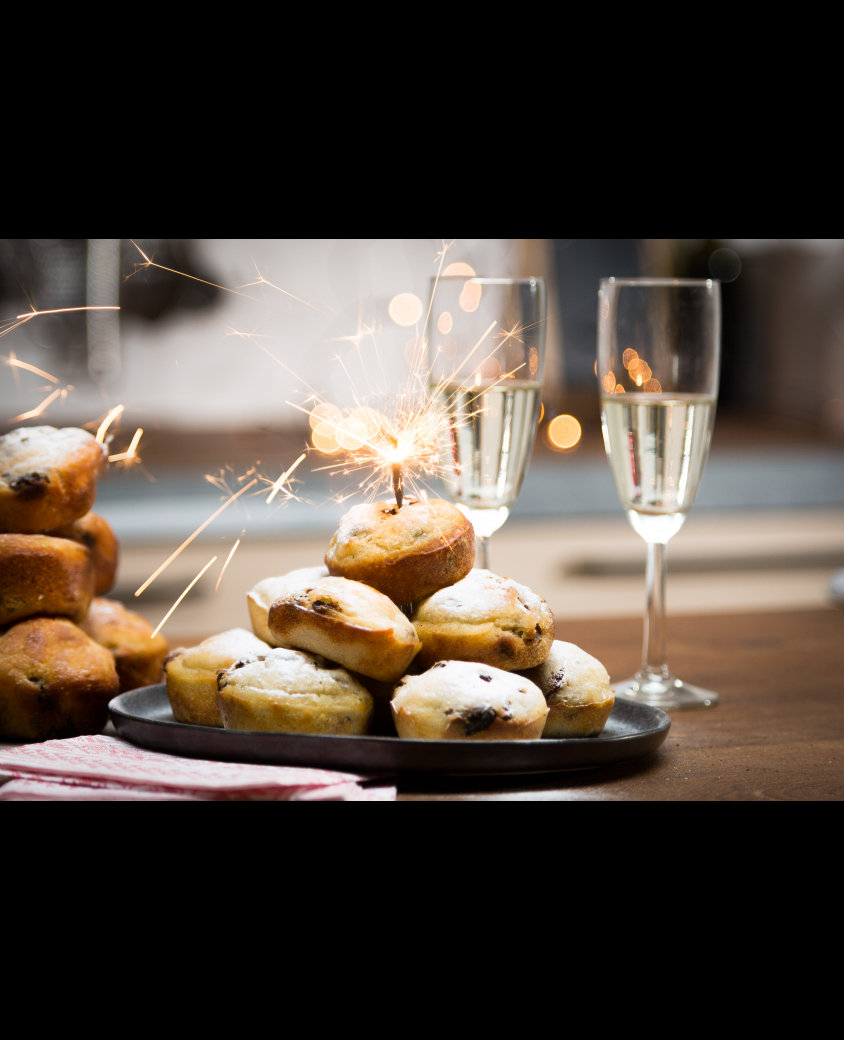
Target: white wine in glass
(658, 363)
(486, 346)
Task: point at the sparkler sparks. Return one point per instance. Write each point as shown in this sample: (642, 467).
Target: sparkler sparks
(37, 411)
(13, 362)
(179, 600)
(228, 558)
(280, 482)
(130, 452)
(187, 541)
(109, 419)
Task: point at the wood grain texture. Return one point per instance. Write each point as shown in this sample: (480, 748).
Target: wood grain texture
(777, 735)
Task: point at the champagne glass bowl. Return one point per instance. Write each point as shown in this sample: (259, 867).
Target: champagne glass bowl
(486, 350)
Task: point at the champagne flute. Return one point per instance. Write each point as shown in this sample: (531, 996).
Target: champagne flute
(659, 344)
(486, 350)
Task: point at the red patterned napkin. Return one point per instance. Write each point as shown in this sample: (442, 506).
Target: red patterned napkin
(103, 768)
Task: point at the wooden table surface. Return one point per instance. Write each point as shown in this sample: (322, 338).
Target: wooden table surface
(778, 733)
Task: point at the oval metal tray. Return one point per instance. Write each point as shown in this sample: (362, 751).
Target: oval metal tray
(144, 717)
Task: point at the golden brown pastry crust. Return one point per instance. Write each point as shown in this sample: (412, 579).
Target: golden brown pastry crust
(55, 681)
(461, 700)
(192, 674)
(348, 622)
(261, 597)
(43, 575)
(484, 618)
(577, 688)
(48, 477)
(138, 658)
(98, 538)
(577, 720)
(405, 553)
(287, 691)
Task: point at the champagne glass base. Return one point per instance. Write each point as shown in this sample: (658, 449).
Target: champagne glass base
(666, 692)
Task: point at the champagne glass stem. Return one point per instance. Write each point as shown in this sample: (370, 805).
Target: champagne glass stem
(653, 645)
(481, 552)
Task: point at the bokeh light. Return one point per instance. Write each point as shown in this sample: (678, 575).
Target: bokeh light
(352, 434)
(619, 389)
(444, 323)
(370, 421)
(324, 439)
(414, 352)
(640, 372)
(652, 386)
(405, 309)
(458, 269)
(608, 382)
(564, 432)
(470, 298)
(533, 361)
(628, 357)
(323, 412)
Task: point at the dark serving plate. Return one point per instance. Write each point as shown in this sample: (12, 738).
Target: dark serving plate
(144, 717)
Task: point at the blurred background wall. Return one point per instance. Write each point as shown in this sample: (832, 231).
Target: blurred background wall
(186, 355)
(211, 375)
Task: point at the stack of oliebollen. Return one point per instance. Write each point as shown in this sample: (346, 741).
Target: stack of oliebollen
(472, 656)
(64, 651)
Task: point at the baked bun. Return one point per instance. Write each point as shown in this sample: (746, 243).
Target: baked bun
(137, 657)
(260, 599)
(346, 622)
(48, 477)
(55, 681)
(577, 689)
(192, 674)
(461, 700)
(405, 553)
(98, 538)
(43, 575)
(286, 691)
(487, 619)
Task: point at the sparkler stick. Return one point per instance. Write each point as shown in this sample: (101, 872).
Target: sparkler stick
(278, 484)
(130, 453)
(109, 419)
(223, 571)
(187, 542)
(179, 600)
(397, 484)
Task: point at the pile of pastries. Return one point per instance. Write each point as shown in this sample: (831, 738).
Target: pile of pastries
(64, 650)
(396, 634)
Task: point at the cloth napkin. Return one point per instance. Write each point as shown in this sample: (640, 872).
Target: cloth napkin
(105, 768)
